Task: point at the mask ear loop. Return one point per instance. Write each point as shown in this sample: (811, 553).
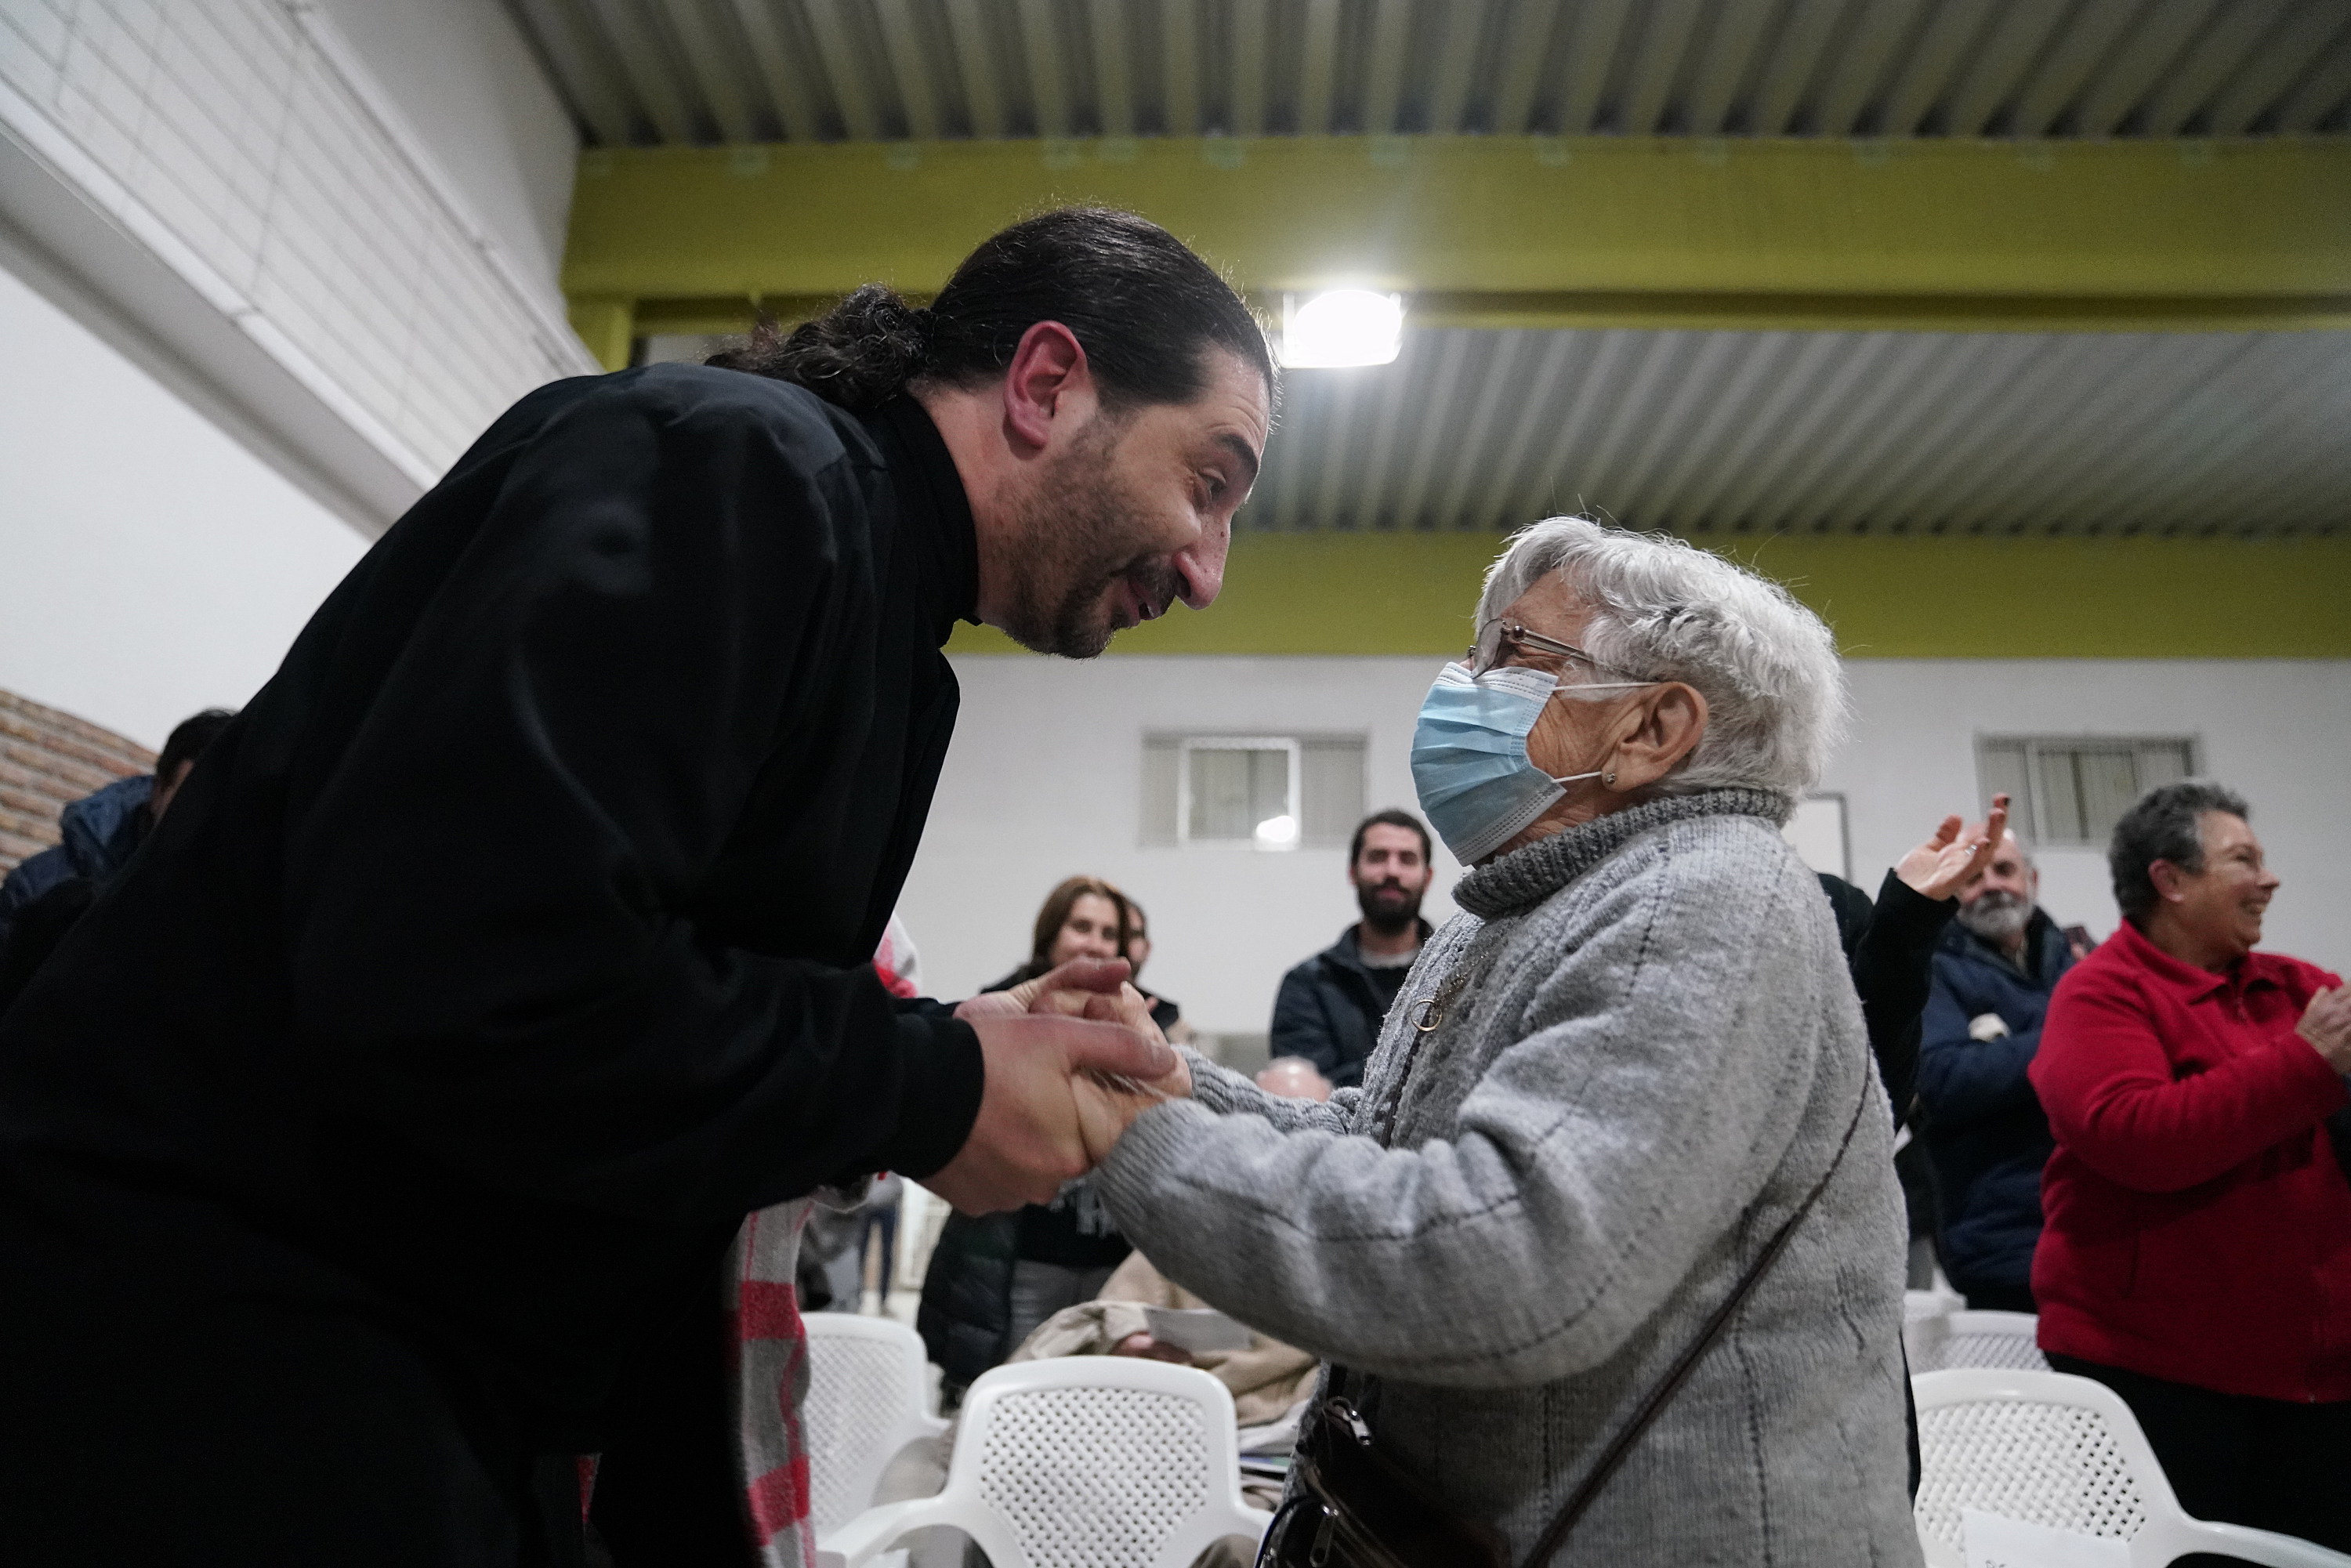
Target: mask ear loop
(1607, 777)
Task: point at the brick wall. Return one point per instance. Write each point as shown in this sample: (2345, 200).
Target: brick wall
(46, 759)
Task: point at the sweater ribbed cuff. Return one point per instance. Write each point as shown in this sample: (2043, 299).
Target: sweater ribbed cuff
(1151, 1146)
(1213, 1086)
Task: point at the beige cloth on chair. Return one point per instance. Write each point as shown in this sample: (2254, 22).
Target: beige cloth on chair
(1268, 1381)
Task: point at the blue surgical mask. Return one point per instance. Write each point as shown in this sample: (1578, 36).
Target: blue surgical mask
(1469, 763)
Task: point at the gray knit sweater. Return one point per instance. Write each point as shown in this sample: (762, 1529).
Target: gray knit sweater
(1646, 1052)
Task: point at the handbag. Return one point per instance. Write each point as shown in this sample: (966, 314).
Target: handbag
(1351, 1507)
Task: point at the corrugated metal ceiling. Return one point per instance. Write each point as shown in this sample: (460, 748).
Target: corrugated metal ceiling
(1881, 432)
(1711, 434)
(1705, 432)
(640, 72)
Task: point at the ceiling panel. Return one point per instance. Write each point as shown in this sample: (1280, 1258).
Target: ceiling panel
(1874, 433)
(1707, 432)
(1713, 433)
(647, 72)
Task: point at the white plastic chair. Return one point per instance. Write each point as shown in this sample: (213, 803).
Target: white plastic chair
(865, 1401)
(1918, 1304)
(1923, 1315)
(2065, 1452)
(1088, 1461)
(2003, 1341)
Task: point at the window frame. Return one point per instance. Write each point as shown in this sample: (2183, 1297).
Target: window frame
(1293, 803)
(2029, 823)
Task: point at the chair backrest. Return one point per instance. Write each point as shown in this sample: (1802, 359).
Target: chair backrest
(865, 1397)
(1097, 1462)
(2009, 1340)
(2067, 1453)
(2039, 1446)
(1918, 1304)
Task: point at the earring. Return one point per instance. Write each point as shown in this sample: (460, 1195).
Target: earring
(1608, 779)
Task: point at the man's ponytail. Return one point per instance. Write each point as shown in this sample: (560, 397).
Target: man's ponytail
(858, 355)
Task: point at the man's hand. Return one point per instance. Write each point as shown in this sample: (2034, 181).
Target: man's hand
(1944, 864)
(1043, 1114)
(1093, 988)
(2326, 1024)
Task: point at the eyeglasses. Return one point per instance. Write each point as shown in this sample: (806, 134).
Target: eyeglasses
(1497, 639)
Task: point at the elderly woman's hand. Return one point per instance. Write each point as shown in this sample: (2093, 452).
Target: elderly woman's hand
(1083, 988)
(1108, 1104)
(1943, 864)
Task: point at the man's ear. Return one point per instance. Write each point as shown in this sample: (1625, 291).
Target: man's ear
(1048, 380)
(2167, 879)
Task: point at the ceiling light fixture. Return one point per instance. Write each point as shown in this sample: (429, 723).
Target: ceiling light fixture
(1342, 327)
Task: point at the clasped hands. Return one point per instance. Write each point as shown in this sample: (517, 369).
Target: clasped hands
(1072, 1058)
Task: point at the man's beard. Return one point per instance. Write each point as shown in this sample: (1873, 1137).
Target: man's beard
(1076, 538)
(1996, 916)
(1393, 915)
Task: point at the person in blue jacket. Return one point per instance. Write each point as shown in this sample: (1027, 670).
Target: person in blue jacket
(1985, 1133)
(99, 832)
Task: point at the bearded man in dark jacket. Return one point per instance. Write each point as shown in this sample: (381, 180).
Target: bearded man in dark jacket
(370, 1149)
(1986, 1131)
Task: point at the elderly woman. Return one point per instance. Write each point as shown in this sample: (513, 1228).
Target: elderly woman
(1603, 1092)
(2198, 1252)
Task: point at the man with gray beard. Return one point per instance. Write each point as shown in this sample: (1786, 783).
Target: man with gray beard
(1985, 1133)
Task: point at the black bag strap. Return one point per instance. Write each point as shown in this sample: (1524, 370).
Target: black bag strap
(1589, 1489)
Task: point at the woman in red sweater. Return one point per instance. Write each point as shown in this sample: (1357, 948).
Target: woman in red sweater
(2197, 1251)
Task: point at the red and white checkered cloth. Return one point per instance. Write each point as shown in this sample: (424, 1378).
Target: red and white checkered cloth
(771, 1379)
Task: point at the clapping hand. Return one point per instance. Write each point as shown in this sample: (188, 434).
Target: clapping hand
(1947, 862)
(2326, 1024)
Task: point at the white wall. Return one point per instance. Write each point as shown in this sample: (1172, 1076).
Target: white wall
(2277, 731)
(150, 566)
(336, 234)
(1044, 780)
(469, 88)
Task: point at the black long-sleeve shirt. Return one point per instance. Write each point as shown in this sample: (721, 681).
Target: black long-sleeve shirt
(513, 942)
(1891, 951)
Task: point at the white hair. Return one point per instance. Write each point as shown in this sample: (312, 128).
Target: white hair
(1662, 610)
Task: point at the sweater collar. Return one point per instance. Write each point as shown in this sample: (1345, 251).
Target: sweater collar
(933, 512)
(1525, 878)
(2192, 983)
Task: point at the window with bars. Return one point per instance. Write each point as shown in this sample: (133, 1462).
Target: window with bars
(1252, 792)
(2073, 789)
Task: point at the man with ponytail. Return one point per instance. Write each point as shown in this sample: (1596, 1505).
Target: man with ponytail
(373, 1147)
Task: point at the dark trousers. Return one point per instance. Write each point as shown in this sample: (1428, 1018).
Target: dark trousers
(668, 1494)
(273, 1434)
(2000, 1297)
(880, 1225)
(2272, 1464)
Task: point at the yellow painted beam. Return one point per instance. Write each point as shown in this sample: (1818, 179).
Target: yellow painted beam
(1973, 598)
(606, 326)
(1927, 234)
